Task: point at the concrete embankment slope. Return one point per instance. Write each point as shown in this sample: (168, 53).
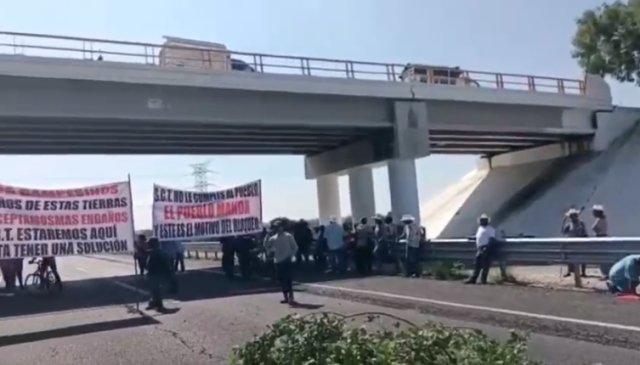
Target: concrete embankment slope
(454, 213)
(531, 198)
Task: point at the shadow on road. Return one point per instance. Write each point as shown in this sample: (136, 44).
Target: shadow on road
(76, 330)
(194, 285)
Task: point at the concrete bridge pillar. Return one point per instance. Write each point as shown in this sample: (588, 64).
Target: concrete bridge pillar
(361, 194)
(403, 185)
(328, 198)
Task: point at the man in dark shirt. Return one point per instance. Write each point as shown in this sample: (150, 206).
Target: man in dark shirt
(141, 253)
(228, 252)
(158, 270)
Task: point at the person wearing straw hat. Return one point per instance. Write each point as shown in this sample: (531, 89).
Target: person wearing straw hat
(600, 228)
(411, 239)
(485, 237)
(575, 227)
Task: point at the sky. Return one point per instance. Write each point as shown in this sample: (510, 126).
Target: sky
(508, 36)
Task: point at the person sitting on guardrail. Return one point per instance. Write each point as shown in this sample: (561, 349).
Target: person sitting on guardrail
(410, 238)
(575, 227)
(334, 234)
(485, 240)
(624, 276)
(600, 228)
(284, 247)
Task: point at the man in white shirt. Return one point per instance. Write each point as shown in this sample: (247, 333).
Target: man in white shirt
(485, 239)
(411, 239)
(284, 248)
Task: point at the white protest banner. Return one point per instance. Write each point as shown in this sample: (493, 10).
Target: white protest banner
(183, 215)
(79, 221)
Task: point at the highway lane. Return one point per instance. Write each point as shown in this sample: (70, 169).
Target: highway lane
(94, 320)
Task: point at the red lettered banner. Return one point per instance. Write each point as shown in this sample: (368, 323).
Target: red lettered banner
(182, 214)
(82, 221)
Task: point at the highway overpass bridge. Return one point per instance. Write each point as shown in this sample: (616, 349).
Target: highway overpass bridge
(60, 95)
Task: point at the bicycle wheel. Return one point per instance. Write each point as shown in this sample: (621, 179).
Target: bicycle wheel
(32, 283)
(50, 283)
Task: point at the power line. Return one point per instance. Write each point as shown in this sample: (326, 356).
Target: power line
(201, 175)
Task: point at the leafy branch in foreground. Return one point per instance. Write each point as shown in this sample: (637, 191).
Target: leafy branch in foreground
(332, 339)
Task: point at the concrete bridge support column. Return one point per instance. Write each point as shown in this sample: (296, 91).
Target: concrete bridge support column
(328, 198)
(403, 185)
(363, 201)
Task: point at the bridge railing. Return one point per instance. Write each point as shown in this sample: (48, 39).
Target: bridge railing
(194, 57)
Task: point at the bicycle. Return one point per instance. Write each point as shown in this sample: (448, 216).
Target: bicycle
(40, 280)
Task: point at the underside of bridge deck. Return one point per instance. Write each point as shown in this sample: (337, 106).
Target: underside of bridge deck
(99, 136)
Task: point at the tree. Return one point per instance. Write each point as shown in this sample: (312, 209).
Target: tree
(607, 41)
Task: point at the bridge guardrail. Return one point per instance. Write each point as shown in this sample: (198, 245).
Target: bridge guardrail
(31, 44)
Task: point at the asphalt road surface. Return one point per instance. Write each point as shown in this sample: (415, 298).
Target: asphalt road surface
(95, 321)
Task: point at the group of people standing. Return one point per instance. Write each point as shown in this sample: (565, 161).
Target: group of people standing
(367, 245)
(12, 272)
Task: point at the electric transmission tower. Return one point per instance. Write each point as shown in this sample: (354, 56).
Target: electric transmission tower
(201, 175)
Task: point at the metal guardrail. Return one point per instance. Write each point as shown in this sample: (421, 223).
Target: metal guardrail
(44, 45)
(526, 251)
(541, 251)
(195, 249)
(590, 251)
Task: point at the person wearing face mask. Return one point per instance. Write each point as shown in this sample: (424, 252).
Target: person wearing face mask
(410, 238)
(575, 227)
(485, 239)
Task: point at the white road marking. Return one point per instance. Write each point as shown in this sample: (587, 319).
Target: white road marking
(130, 287)
(481, 308)
(83, 270)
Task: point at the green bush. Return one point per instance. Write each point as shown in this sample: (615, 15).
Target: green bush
(447, 270)
(330, 339)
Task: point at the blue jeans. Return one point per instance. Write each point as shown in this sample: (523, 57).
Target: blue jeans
(623, 285)
(337, 260)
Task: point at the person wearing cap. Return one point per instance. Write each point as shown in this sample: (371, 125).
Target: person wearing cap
(284, 248)
(334, 235)
(485, 237)
(600, 228)
(575, 227)
(410, 238)
(363, 250)
(624, 276)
